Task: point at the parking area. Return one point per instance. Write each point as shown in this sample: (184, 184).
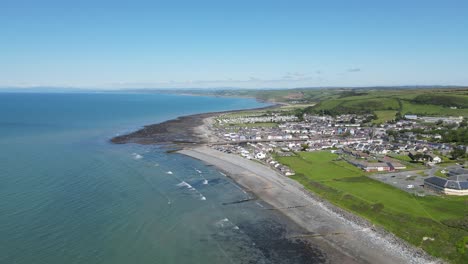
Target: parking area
(408, 181)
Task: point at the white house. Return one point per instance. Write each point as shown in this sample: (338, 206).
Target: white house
(260, 155)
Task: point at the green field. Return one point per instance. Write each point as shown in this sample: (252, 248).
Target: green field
(447, 100)
(372, 104)
(384, 102)
(410, 217)
(405, 158)
(384, 116)
(425, 109)
(357, 104)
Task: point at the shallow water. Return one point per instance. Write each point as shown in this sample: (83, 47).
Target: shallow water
(69, 196)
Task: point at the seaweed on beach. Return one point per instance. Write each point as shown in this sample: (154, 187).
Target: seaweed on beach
(268, 241)
(179, 130)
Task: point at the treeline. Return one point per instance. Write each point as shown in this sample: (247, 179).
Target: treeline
(351, 93)
(339, 111)
(458, 136)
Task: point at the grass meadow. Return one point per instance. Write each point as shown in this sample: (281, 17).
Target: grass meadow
(410, 217)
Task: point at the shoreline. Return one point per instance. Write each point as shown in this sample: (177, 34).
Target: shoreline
(183, 130)
(345, 232)
(349, 234)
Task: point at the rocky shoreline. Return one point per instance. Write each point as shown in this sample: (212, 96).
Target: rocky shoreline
(182, 130)
(179, 130)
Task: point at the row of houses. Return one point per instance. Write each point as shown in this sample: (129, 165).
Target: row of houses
(257, 119)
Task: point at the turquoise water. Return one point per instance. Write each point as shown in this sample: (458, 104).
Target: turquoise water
(69, 196)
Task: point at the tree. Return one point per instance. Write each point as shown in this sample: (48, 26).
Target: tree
(398, 116)
(391, 132)
(346, 134)
(450, 125)
(458, 153)
(463, 123)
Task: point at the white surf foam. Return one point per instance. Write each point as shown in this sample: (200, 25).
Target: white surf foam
(190, 187)
(169, 172)
(184, 184)
(222, 223)
(205, 181)
(259, 204)
(137, 156)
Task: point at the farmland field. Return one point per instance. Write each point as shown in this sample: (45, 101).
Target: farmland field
(425, 109)
(382, 103)
(384, 116)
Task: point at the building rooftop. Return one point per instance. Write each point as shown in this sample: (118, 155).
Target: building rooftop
(456, 182)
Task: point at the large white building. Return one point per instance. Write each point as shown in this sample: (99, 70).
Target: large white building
(454, 185)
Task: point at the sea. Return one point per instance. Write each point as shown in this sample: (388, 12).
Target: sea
(68, 195)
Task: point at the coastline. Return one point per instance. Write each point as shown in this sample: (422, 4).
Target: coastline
(190, 129)
(356, 238)
(347, 233)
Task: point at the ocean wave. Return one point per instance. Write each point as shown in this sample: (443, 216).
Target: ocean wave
(169, 172)
(191, 188)
(183, 183)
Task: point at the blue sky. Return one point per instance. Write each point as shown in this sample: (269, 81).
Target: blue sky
(251, 44)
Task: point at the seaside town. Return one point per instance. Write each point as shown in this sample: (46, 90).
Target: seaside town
(391, 162)
(409, 152)
(270, 132)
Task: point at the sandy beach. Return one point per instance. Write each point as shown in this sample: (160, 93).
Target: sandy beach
(349, 234)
